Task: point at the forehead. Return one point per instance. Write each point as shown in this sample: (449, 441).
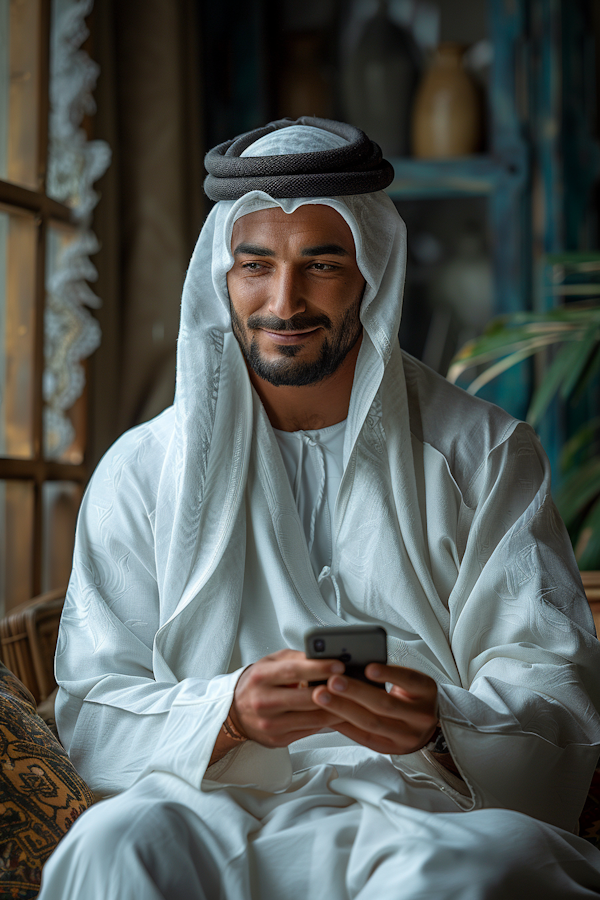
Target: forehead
(309, 225)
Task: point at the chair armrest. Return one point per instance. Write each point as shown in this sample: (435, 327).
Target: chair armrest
(28, 635)
(591, 586)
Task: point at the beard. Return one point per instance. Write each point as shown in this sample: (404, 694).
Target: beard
(288, 371)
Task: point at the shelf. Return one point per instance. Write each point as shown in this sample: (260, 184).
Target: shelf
(464, 176)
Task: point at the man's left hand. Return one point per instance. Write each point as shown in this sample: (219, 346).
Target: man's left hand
(397, 722)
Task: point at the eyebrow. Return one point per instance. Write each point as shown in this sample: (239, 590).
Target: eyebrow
(324, 250)
(320, 250)
(253, 250)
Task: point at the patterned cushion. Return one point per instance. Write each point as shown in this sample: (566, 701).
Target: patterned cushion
(41, 794)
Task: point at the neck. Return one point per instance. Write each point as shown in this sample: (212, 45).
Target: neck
(313, 406)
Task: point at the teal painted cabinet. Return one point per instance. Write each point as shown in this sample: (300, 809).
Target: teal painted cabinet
(542, 161)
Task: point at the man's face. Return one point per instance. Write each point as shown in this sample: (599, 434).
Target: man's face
(295, 291)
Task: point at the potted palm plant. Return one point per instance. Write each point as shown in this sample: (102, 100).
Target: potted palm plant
(573, 331)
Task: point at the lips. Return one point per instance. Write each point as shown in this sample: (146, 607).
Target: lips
(290, 337)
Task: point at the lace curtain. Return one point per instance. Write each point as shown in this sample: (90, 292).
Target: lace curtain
(74, 164)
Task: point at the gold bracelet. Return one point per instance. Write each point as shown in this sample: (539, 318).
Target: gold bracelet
(230, 729)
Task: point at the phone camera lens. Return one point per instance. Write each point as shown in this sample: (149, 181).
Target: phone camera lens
(319, 645)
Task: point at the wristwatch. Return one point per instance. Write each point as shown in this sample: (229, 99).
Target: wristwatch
(437, 744)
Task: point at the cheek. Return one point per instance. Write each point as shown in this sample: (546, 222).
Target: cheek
(244, 293)
(348, 293)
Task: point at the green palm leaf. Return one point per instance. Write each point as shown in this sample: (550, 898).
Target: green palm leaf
(588, 343)
(505, 363)
(578, 490)
(486, 349)
(512, 338)
(590, 372)
(581, 440)
(567, 359)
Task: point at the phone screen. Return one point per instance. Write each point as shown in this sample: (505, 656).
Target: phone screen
(355, 645)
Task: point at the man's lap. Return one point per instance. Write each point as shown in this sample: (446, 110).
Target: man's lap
(241, 843)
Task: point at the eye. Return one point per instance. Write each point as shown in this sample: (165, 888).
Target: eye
(252, 266)
(323, 267)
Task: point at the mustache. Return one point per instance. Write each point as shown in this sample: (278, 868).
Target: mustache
(296, 323)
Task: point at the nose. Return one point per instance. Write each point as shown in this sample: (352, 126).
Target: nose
(286, 297)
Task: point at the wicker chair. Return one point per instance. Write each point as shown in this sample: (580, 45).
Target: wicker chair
(28, 636)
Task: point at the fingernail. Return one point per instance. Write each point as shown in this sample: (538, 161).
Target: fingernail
(374, 670)
(337, 667)
(339, 684)
(324, 697)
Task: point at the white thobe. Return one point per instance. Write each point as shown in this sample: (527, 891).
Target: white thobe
(327, 818)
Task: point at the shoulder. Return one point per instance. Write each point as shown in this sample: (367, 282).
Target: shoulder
(468, 432)
(136, 459)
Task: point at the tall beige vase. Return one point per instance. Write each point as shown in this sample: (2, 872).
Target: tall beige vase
(304, 90)
(447, 118)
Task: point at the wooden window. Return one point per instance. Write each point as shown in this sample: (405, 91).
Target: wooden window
(39, 496)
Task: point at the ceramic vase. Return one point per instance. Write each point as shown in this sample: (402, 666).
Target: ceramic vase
(304, 89)
(379, 79)
(465, 285)
(447, 116)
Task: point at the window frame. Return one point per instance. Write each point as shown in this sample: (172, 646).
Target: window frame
(46, 210)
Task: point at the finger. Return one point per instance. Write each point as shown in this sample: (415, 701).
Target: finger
(284, 730)
(372, 710)
(277, 700)
(287, 661)
(358, 715)
(415, 711)
(292, 670)
(271, 703)
(286, 723)
(411, 683)
(392, 736)
(286, 653)
(296, 656)
(400, 744)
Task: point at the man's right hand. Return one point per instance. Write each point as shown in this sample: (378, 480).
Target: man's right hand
(273, 704)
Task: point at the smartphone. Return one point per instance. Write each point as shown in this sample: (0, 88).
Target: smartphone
(355, 645)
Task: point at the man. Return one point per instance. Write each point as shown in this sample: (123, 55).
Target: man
(310, 474)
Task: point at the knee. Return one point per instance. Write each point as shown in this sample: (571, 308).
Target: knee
(500, 849)
(117, 826)
(111, 837)
(155, 845)
(97, 837)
